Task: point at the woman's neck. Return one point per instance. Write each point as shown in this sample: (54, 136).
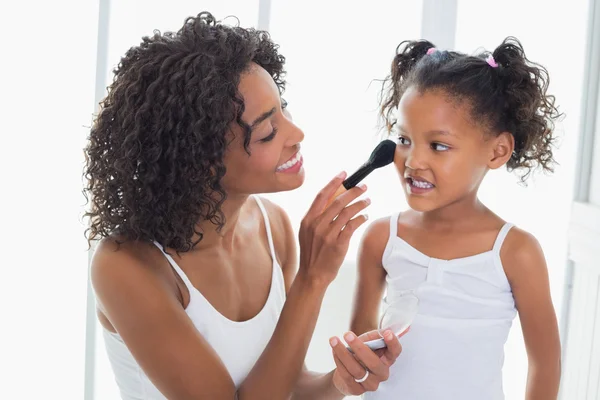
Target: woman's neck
(211, 237)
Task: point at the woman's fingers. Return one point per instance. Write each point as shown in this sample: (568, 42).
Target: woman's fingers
(364, 366)
(347, 214)
(366, 357)
(392, 350)
(354, 388)
(339, 204)
(356, 370)
(324, 195)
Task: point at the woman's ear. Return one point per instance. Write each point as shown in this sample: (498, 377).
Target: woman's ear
(502, 149)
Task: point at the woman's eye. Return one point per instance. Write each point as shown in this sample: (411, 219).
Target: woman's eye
(270, 137)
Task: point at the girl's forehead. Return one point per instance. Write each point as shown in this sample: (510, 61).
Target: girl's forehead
(435, 109)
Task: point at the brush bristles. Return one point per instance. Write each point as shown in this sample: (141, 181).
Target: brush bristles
(383, 154)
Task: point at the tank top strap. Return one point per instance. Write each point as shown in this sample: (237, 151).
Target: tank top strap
(263, 210)
(501, 236)
(394, 224)
(176, 267)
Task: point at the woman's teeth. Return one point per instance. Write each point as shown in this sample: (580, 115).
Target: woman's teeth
(290, 163)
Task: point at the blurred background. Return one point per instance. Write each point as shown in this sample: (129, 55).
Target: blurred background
(57, 59)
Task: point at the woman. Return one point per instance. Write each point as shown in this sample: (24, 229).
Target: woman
(199, 289)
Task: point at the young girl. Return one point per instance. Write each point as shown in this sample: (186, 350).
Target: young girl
(455, 117)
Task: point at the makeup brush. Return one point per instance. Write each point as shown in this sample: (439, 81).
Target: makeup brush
(380, 157)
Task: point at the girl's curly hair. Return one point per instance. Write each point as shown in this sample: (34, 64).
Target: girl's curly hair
(511, 97)
(154, 161)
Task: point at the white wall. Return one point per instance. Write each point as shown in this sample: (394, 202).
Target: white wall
(47, 74)
(595, 178)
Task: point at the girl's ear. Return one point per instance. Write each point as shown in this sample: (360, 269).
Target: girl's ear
(501, 150)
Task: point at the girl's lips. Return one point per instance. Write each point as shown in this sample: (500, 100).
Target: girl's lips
(418, 185)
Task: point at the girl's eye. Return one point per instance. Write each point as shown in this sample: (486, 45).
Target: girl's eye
(439, 147)
(403, 141)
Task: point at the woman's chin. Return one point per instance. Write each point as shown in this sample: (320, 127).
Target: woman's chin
(286, 181)
(289, 182)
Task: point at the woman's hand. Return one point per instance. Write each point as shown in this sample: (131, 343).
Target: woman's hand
(325, 231)
(364, 370)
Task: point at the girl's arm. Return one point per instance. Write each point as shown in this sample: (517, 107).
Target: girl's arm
(527, 273)
(371, 278)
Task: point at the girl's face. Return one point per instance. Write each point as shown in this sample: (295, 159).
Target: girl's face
(275, 162)
(442, 154)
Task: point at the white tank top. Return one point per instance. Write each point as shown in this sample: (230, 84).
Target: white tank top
(238, 356)
(455, 347)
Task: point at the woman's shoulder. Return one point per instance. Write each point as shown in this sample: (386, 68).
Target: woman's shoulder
(122, 267)
(277, 215)
(117, 263)
(115, 250)
(284, 239)
(281, 225)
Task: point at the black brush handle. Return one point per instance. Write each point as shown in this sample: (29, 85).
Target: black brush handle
(358, 176)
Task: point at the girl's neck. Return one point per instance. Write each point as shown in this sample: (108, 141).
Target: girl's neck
(461, 212)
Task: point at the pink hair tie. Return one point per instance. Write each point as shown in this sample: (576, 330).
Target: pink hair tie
(431, 51)
(490, 60)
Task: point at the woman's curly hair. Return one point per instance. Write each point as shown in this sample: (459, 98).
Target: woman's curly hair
(511, 97)
(154, 161)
